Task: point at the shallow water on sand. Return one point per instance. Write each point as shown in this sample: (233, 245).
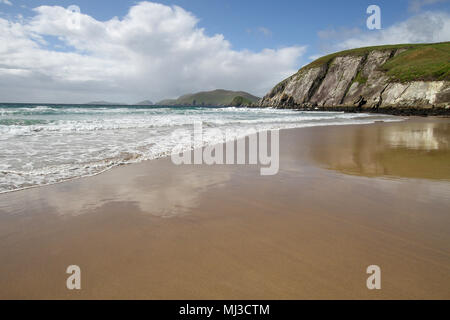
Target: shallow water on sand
(53, 143)
(155, 230)
(415, 149)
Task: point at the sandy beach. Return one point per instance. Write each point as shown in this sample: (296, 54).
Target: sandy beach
(345, 197)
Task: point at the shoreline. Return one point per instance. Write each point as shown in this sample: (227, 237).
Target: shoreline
(168, 155)
(153, 230)
(393, 111)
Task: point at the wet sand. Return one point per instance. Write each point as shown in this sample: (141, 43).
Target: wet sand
(345, 197)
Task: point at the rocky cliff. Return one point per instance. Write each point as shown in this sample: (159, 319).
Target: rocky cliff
(403, 79)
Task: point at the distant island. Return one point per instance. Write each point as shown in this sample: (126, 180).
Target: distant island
(108, 103)
(105, 103)
(217, 97)
(144, 103)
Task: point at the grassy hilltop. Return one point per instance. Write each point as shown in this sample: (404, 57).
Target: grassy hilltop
(427, 62)
(212, 98)
(397, 79)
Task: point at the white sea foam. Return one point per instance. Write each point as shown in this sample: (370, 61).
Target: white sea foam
(48, 144)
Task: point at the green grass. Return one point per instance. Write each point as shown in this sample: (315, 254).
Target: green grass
(426, 62)
(360, 79)
(241, 101)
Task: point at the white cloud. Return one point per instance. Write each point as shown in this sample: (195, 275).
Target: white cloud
(417, 5)
(155, 51)
(260, 30)
(315, 56)
(421, 28)
(265, 31)
(9, 3)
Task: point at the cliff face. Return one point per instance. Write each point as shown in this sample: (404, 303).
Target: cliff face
(358, 82)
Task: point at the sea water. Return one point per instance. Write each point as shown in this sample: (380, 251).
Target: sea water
(45, 144)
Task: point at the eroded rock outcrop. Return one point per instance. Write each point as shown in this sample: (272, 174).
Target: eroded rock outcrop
(359, 83)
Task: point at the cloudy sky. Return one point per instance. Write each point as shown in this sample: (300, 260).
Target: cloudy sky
(127, 51)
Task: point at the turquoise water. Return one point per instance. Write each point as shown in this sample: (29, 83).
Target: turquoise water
(44, 144)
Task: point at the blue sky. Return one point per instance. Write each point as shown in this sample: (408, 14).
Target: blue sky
(255, 25)
(294, 31)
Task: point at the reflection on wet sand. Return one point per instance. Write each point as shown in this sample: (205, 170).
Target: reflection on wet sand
(169, 191)
(234, 234)
(416, 149)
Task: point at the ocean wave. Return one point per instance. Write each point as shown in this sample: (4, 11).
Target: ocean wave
(12, 127)
(44, 148)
